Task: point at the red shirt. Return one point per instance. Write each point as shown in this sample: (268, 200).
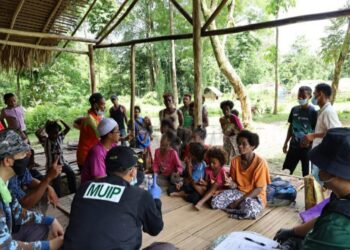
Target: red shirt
(168, 163)
(218, 178)
(88, 136)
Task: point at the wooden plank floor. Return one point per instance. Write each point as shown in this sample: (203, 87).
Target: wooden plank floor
(190, 229)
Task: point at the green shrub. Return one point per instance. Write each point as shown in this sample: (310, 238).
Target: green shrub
(37, 116)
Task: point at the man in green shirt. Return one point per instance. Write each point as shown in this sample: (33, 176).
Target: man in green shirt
(185, 109)
(331, 229)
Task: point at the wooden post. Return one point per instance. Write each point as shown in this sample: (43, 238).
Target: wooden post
(19, 99)
(197, 56)
(132, 80)
(173, 56)
(92, 69)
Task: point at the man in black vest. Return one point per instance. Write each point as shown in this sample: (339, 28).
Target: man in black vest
(118, 113)
(331, 229)
(109, 213)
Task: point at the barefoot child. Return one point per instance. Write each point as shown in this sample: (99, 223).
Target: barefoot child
(166, 160)
(194, 172)
(215, 175)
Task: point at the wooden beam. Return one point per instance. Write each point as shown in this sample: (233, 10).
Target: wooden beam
(214, 15)
(197, 62)
(52, 15)
(237, 29)
(280, 22)
(92, 69)
(14, 18)
(112, 19)
(118, 22)
(78, 26)
(182, 11)
(45, 35)
(146, 40)
(133, 83)
(34, 46)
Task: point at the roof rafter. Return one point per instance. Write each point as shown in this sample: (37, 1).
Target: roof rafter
(45, 35)
(237, 29)
(14, 18)
(52, 15)
(41, 47)
(121, 7)
(131, 6)
(182, 11)
(80, 23)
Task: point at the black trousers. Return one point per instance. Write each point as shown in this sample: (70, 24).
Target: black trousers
(294, 155)
(192, 195)
(56, 183)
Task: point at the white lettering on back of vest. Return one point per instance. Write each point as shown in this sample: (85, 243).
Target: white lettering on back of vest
(104, 191)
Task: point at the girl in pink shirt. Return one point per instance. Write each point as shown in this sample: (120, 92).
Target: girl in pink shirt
(215, 175)
(166, 159)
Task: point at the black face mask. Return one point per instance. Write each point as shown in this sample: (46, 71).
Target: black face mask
(19, 166)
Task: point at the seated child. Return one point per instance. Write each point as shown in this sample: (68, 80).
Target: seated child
(215, 176)
(166, 159)
(198, 135)
(194, 172)
(53, 143)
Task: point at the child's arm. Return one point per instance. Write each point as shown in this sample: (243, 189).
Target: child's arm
(66, 127)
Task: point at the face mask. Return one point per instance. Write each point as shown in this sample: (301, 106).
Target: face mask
(314, 100)
(19, 166)
(101, 113)
(133, 182)
(302, 102)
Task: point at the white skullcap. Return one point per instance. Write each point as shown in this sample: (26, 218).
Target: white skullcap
(106, 126)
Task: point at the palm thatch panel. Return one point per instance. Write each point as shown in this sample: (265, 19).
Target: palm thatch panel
(48, 16)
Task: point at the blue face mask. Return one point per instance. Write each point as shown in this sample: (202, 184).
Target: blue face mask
(302, 102)
(314, 100)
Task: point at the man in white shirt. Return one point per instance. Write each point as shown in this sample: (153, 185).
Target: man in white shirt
(327, 117)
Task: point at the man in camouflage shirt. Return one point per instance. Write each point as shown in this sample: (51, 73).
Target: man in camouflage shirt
(35, 227)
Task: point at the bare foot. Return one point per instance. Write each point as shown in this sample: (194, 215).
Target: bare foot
(198, 206)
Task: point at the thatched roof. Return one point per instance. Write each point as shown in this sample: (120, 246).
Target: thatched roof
(44, 16)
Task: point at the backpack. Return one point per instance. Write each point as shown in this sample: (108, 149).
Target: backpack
(280, 193)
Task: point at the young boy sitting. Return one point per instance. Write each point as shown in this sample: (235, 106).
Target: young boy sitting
(53, 143)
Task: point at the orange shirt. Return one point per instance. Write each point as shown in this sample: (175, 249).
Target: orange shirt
(255, 176)
(88, 136)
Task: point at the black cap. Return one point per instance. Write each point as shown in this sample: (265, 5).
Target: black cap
(333, 154)
(120, 158)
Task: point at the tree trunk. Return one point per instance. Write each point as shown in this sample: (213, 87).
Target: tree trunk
(228, 70)
(339, 64)
(275, 107)
(173, 59)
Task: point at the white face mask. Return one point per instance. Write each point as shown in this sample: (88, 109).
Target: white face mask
(133, 182)
(302, 102)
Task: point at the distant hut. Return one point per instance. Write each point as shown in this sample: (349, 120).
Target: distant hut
(212, 93)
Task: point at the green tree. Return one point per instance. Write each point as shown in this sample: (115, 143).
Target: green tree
(335, 48)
